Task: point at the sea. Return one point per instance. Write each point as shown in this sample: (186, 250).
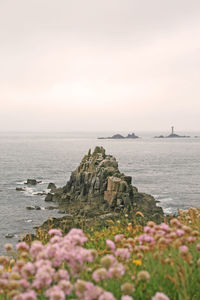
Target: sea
(168, 169)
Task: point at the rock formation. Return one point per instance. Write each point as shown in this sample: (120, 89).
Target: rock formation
(97, 186)
(119, 136)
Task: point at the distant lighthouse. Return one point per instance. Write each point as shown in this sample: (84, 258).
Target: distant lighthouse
(172, 130)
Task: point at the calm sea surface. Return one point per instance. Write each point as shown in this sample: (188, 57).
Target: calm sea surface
(169, 169)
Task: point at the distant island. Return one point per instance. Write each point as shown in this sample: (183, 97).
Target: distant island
(172, 135)
(119, 136)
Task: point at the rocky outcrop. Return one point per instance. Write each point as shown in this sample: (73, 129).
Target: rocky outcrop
(32, 181)
(97, 187)
(119, 136)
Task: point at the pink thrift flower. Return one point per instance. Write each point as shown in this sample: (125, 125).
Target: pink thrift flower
(164, 227)
(191, 239)
(107, 296)
(55, 232)
(3, 283)
(198, 246)
(183, 249)
(100, 274)
(66, 286)
(55, 293)
(36, 248)
(122, 252)
(110, 244)
(180, 232)
(62, 274)
(119, 237)
(29, 295)
(28, 270)
(24, 283)
(76, 237)
(116, 271)
(160, 296)
(55, 239)
(147, 229)
(126, 298)
(22, 246)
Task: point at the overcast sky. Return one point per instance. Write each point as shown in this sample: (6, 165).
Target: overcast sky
(121, 65)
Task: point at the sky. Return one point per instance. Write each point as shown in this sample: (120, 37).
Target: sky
(108, 65)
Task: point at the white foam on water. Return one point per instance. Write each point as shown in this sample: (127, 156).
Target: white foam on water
(29, 192)
(165, 199)
(169, 210)
(20, 182)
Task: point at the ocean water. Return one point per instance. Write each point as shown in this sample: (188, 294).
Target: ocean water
(168, 169)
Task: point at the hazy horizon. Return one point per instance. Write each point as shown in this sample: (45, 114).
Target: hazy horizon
(115, 66)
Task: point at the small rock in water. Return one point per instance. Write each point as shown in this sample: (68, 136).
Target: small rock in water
(9, 235)
(20, 189)
(49, 197)
(36, 207)
(51, 207)
(51, 186)
(32, 181)
(30, 207)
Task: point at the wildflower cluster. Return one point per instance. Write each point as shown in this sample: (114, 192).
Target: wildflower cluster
(156, 264)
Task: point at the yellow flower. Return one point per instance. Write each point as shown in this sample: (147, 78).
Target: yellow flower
(137, 262)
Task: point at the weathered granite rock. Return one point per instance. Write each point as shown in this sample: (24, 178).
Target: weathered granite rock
(51, 186)
(32, 181)
(49, 197)
(20, 189)
(36, 207)
(97, 187)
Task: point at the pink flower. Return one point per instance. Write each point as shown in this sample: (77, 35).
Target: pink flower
(183, 249)
(147, 229)
(116, 271)
(100, 274)
(36, 248)
(29, 295)
(55, 293)
(24, 283)
(164, 227)
(55, 232)
(160, 296)
(110, 244)
(119, 237)
(191, 239)
(122, 252)
(22, 246)
(86, 290)
(107, 296)
(66, 286)
(62, 274)
(180, 232)
(28, 270)
(198, 246)
(126, 298)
